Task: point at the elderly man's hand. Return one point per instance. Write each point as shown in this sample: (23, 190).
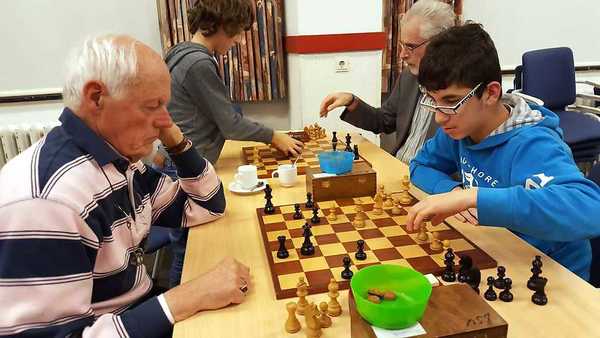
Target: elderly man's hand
(170, 136)
(437, 208)
(334, 100)
(227, 283)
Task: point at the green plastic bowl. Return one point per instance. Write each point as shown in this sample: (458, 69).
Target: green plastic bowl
(412, 294)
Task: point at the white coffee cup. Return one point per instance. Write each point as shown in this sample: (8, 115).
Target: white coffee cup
(287, 173)
(246, 176)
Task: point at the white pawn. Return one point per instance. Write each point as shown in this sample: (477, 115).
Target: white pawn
(324, 318)
(292, 325)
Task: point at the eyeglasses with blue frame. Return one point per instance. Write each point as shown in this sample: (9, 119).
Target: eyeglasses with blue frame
(448, 110)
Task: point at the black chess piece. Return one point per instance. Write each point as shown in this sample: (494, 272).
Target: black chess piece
(334, 141)
(474, 278)
(315, 219)
(361, 255)
(500, 281)
(348, 141)
(506, 295)
(347, 273)
(539, 296)
(297, 213)
(536, 270)
(309, 202)
(269, 208)
(282, 252)
(466, 263)
(490, 293)
(356, 156)
(449, 275)
(307, 248)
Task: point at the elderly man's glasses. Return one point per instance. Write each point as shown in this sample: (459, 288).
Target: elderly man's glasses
(448, 110)
(410, 47)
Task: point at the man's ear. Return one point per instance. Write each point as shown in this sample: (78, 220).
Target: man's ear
(92, 98)
(492, 93)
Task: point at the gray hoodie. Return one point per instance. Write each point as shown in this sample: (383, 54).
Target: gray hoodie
(200, 103)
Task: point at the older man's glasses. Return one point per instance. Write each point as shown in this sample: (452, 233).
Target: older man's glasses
(410, 47)
(448, 110)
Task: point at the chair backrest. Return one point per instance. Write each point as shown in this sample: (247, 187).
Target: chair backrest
(549, 74)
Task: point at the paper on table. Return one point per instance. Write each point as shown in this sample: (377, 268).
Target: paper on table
(415, 330)
(319, 175)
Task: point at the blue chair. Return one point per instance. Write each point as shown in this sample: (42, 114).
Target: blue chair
(549, 75)
(595, 242)
(158, 238)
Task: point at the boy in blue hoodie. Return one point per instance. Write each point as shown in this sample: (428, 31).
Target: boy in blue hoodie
(516, 170)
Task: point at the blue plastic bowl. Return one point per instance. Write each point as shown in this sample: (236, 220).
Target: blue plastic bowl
(336, 162)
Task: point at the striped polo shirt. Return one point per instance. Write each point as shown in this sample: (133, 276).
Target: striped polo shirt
(72, 211)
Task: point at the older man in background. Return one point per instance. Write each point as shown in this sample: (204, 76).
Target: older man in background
(76, 207)
(400, 112)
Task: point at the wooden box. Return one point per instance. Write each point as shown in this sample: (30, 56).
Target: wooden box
(361, 181)
(454, 311)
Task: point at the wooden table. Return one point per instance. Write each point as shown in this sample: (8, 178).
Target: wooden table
(572, 311)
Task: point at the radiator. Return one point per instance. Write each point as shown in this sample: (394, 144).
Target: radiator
(14, 139)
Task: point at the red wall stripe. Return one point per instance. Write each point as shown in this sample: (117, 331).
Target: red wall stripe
(330, 43)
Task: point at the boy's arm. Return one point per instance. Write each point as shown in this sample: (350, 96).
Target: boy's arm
(549, 198)
(210, 94)
(430, 170)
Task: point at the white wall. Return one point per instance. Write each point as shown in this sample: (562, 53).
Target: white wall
(37, 35)
(517, 26)
(313, 76)
(314, 17)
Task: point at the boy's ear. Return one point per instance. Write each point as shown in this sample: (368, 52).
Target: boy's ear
(493, 92)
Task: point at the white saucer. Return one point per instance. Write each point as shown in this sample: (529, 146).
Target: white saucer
(235, 187)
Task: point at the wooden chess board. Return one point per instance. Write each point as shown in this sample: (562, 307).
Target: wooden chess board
(385, 236)
(271, 158)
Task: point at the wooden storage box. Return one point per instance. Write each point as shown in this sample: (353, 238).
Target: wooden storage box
(361, 181)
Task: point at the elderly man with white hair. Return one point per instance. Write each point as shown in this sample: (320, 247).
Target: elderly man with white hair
(400, 113)
(76, 207)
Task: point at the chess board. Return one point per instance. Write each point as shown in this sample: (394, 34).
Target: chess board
(385, 236)
(271, 158)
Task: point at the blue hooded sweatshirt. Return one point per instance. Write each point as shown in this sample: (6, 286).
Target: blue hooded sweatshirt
(527, 182)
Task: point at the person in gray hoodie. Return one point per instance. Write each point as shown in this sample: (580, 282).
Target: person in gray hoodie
(200, 103)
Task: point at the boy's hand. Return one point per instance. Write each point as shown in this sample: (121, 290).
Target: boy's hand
(467, 216)
(286, 144)
(436, 208)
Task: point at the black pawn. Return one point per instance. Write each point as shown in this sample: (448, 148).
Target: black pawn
(297, 213)
(490, 293)
(500, 281)
(348, 141)
(536, 270)
(269, 208)
(449, 275)
(466, 263)
(361, 255)
(307, 248)
(315, 219)
(356, 156)
(282, 252)
(539, 296)
(347, 273)
(309, 202)
(506, 295)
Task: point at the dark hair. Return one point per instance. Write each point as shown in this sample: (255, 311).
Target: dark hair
(207, 16)
(464, 56)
